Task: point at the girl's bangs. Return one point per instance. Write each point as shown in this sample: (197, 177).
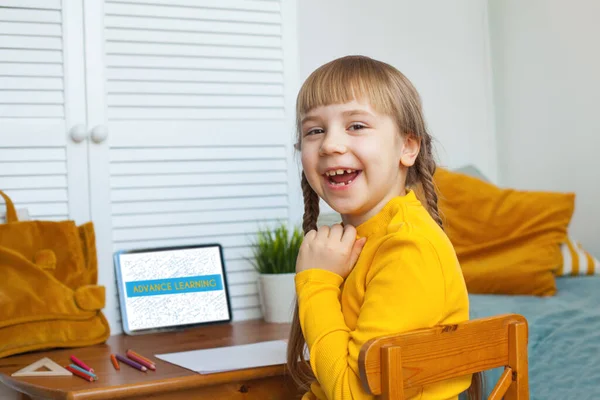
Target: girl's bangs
(344, 80)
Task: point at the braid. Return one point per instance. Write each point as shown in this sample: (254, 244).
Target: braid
(298, 366)
(425, 169)
(311, 206)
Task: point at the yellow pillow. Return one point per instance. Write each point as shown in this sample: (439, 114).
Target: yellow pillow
(508, 241)
(576, 260)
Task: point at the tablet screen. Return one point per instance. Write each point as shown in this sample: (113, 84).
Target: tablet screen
(175, 287)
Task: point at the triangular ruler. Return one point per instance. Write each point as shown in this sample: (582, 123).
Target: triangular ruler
(53, 369)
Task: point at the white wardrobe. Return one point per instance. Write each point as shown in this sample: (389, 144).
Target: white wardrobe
(165, 122)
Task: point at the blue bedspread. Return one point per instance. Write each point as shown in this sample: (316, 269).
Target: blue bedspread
(564, 338)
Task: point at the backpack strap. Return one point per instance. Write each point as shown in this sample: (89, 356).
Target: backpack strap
(11, 212)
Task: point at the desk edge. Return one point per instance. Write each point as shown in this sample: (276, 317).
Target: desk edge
(144, 388)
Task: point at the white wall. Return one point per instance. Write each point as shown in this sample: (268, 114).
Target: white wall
(546, 64)
(441, 46)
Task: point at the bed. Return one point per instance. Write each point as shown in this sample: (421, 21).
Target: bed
(564, 338)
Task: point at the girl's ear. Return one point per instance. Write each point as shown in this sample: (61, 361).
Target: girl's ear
(410, 150)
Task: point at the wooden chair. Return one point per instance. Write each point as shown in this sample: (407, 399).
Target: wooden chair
(393, 364)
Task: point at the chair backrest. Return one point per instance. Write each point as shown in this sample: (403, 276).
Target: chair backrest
(393, 364)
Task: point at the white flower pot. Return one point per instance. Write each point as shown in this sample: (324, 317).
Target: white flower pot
(277, 293)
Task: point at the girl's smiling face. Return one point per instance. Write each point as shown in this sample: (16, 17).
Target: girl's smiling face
(355, 158)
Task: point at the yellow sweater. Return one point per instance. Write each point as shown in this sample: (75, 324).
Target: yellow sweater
(407, 277)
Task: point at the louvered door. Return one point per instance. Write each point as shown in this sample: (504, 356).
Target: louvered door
(42, 101)
(193, 102)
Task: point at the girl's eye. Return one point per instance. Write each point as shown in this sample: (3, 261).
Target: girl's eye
(314, 131)
(356, 127)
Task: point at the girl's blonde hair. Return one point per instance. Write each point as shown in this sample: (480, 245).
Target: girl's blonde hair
(389, 92)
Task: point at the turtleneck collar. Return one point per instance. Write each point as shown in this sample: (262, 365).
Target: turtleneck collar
(382, 219)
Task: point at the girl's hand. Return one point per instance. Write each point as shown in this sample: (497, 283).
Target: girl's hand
(333, 249)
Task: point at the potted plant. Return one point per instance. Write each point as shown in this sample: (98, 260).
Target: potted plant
(275, 251)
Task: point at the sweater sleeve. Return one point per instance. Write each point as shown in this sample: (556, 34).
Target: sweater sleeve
(404, 291)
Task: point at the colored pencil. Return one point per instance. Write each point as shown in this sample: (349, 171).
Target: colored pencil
(84, 371)
(115, 362)
(81, 364)
(80, 374)
(131, 363)
(138, 355)
(141, 361)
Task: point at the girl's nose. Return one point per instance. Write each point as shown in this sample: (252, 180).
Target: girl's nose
(333, 143)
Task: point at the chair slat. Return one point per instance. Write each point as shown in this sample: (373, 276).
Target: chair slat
(517, 360)
(392, 373)
(502, 385)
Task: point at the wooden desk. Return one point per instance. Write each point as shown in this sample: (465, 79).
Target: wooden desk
(168, 381)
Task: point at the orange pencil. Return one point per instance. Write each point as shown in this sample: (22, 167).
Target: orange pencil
(79, 373)
(115, 362)
(131, 352)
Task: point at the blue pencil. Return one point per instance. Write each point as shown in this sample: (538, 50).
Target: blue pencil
(77, 367)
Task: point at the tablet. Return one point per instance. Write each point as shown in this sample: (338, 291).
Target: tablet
(170, 288)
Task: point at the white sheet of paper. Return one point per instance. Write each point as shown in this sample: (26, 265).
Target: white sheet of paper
(208, 361)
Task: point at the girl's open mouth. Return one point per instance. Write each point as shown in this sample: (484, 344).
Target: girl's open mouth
(340, 179)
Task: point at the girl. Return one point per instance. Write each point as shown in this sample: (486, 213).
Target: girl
(365, 150)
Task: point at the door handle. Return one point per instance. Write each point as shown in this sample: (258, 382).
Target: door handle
(99, 133)
(78, 133)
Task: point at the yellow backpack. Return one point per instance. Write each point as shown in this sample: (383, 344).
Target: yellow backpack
(48, 292)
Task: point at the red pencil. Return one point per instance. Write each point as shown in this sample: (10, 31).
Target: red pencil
(81, 363)
(79, 374)
(140, 360)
